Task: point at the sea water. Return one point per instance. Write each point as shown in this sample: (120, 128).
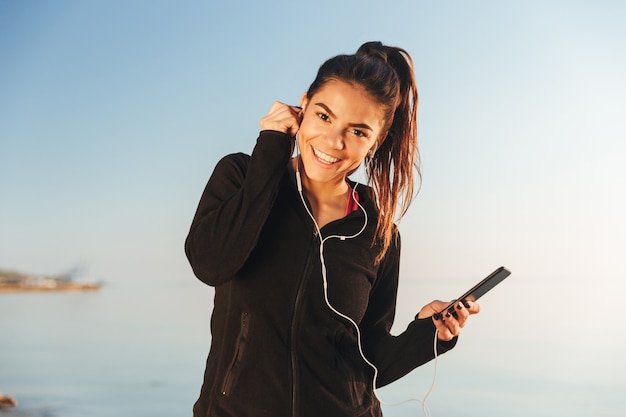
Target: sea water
(126, 350)
(139, 349)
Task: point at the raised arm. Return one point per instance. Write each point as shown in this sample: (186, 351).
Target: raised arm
(234, 207)
(238, 198)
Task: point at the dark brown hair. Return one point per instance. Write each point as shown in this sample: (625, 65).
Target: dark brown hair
(386, 73)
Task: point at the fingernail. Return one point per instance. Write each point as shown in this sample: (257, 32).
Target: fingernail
(437, 316)
(467, 304)
(459, 306)
(448, 314)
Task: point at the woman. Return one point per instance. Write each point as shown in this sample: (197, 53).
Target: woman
(304, 261)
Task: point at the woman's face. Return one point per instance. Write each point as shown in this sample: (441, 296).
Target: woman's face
(340, 124)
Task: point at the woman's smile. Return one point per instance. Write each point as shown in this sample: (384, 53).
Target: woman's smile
(324, 158)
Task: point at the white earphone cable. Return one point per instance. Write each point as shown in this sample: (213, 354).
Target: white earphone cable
(323, 240)
(425, 409)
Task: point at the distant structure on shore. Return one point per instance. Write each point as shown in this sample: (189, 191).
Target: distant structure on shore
(11, 281)
(6, 401)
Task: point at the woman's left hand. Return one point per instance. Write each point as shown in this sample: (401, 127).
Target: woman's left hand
(448, 323)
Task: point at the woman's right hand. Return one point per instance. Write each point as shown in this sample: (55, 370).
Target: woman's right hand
(282, 118)
(450, 323)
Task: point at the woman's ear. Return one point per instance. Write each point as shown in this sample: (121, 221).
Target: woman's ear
(304, 100)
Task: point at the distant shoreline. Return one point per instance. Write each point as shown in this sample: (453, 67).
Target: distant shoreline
(46, 287)
(12, 281)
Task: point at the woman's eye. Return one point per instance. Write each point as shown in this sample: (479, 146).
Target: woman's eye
(323, 116)
(359, 133)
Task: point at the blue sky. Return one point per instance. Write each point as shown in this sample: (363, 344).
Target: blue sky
(113, 114)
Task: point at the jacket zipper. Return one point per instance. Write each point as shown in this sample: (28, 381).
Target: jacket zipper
(294, 325)
(242, 340)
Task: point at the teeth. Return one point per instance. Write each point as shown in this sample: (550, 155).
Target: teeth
(324, 157)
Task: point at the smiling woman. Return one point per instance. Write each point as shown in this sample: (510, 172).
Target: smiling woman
(387, 82)
(305, 261)
(336, 133)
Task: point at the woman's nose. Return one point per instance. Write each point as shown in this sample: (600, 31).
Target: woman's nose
(335, 138)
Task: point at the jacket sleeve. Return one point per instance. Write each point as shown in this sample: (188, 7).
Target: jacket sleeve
(395, 356)
(234, 207)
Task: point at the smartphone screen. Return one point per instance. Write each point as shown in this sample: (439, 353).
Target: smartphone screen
(482, 287)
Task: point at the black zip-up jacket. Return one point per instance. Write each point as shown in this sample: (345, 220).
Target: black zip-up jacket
(277, 349)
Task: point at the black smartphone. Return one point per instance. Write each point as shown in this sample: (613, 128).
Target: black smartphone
(481, 288)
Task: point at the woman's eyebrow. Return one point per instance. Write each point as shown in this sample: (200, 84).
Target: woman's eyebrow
(331, 114)
(326, 109)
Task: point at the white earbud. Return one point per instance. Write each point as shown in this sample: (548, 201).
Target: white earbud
(372, 150)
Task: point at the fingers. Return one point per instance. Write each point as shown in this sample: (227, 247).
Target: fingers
(450, 322)
(282, 118)
(474, 307)
(432, 308)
